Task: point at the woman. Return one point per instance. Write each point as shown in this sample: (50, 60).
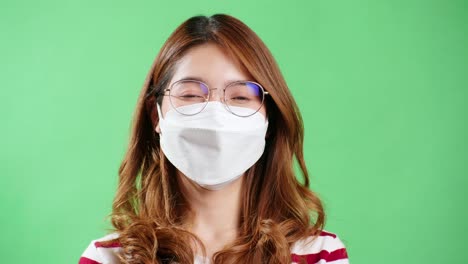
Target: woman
(208, 175)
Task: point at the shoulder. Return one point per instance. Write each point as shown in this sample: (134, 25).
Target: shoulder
(101, 251)
(324, 248)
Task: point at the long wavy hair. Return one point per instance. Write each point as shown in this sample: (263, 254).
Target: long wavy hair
(277, 208)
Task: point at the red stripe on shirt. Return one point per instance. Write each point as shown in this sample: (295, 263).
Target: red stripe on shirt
(84, 260)
(325, 233)
(106, 244)
(325, 255)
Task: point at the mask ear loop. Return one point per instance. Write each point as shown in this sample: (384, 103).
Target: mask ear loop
(160, 117)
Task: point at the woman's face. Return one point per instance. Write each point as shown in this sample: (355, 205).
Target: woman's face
(211, 65)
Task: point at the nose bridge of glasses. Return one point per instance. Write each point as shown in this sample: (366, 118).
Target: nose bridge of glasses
(216, 94)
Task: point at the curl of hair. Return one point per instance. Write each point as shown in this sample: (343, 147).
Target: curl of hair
(149, 209)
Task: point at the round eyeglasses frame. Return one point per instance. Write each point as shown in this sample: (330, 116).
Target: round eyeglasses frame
(223, 99)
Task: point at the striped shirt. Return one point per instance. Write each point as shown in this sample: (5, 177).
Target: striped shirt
(326, 248)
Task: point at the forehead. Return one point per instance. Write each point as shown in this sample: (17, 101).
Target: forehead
(210, 63)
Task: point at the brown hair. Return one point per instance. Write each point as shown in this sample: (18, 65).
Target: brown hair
(277, 209)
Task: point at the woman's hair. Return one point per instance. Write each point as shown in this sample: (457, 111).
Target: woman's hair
(277, 209)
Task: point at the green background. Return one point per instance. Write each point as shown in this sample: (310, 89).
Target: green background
(382, 86)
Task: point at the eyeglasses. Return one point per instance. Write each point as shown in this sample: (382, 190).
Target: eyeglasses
(241, 98)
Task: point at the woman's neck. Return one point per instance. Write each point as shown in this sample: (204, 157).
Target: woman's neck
(215, 213)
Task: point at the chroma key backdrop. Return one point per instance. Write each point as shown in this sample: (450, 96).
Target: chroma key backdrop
(381, 85)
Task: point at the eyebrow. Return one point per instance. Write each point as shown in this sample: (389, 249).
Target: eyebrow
(200, 79)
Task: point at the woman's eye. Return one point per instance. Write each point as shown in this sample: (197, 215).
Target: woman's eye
(240, 98)
(190, 96)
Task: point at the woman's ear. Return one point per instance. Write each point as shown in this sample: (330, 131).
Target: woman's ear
(158, 129)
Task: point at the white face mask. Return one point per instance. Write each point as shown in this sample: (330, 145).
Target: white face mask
(213, 147)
